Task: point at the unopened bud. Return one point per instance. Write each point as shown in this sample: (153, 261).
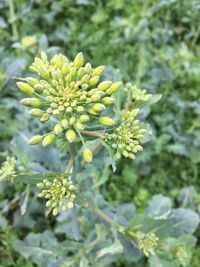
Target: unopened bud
(55, 211)
(134, 112)
(32, 81)
(49, 139)
(113, 88)
(108, 100)
(70, 135)
(36, 112)
(98, 107)
(94, 80)
(25, 88)
(106, 121)
(35, 140)
(58, 129)
(64, 123)
(98, 71)
(79, 60)
(84, 118)
(31, 102)
(104, 85)
(79, 125)
(45, 117)
(87, 155)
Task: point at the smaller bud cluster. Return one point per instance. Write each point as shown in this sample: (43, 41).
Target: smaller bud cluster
(60, 193)
(127, 136)
(181, 255)
(147, 243)
(8, 170)
(137, 94)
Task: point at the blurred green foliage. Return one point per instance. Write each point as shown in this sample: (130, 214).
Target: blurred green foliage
(156, 45)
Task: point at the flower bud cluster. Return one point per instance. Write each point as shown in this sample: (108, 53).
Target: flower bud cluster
(8, 169)
(125, 139)
(59, 193)
(137, 94)
(181, 254)
(68, 91)
(147, 243)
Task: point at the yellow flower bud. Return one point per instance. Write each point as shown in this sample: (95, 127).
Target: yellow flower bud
(87, 155)
(39, 87)
(98, 107)
(79, 60)
(84, 118)
(55, 211)
(98, 71)
(64, 123)
(85, 78)
(106, 121)
(58, 129)
(104, 85)
(80, 109)
(70, 135)
(113, 88)
(25, 88)
(32, 81)
(49, 139)
(79, 125)
(36, 112)
(45, 117)
(108, 100)
(35, 140)
(92, 112)
(134, 112)
(94, 80)
(31, 102)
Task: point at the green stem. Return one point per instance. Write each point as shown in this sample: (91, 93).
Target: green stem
(13, 20)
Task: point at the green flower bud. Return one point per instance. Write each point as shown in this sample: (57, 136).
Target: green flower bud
(84, 118)
(81, 72)
(58, 129)
(104, 85)
(79, 60)
(32, 81)
(108, 100)
(44, 73)
(87, 155)
(107, 121)
(43, 56)
(72, 120)
(45, 117)
(134, 112)
(98, 71)
(79, 125)
(25, 88)
(113, 88)
(94, 80)
(49, 139)
(70, 135)
(85, 78)
(92, 112)
(98, 107)
(35, 140)
(36, 112)
(31, 102)
(39, 87)
(55, 211)
(80, 109)
(64, 123)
